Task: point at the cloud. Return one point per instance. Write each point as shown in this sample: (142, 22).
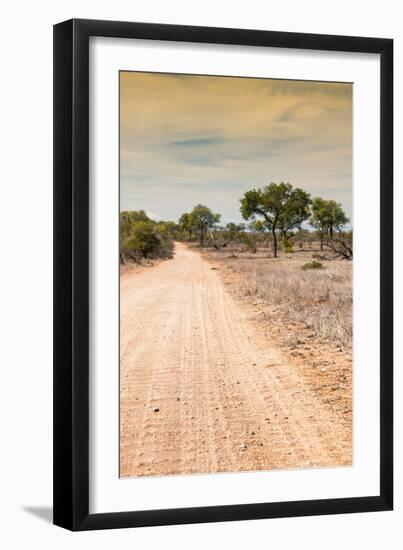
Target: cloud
(192, 142)
(189, 139)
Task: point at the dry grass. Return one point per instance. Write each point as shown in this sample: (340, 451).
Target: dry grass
(319, 298)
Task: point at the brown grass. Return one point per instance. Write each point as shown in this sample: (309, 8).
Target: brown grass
(319, 298)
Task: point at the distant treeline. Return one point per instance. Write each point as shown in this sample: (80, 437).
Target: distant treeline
(274, 215)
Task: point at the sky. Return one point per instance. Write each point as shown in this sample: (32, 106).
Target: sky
(188, 139)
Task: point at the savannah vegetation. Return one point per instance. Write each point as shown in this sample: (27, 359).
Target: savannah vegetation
(276, 216)
(292, 252)
(142, 238)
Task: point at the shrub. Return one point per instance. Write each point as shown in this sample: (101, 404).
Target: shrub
(312, 265)
(248, 242)
(143, 239)
(287, 246)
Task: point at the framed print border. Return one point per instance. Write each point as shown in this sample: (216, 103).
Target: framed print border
(72, 285)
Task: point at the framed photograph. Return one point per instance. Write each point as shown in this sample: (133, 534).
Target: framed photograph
(223, 234)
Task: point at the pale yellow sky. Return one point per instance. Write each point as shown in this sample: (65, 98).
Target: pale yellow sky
(200, 139)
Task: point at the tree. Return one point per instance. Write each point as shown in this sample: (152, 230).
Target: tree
(185, 223)
(327, 215)
(143, 241)
(125, 227)
(279, 204)
(134, 216)
(167, 228)
(128, 218)
(258, 226)
(202, 218)
(141, 237)
(342, 245)
(297, 211)
(337, 217)
(234, 231)
(234, 228)
(320, 217)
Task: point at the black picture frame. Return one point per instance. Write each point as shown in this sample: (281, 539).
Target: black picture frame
(71, 274)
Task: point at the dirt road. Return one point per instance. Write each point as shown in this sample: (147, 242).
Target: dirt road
(202, 390)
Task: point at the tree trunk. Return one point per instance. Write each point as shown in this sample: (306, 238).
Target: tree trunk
(321, 241)
(201, 236)
(274, 242)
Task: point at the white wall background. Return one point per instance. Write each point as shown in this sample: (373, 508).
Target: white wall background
(26, 274)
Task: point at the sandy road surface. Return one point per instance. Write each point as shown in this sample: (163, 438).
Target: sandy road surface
(201, 391)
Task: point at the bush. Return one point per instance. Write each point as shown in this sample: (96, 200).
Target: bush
(287, 246)
(248, 242)
(312, 265)
(143, 238)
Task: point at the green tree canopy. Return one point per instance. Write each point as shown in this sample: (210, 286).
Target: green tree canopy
(326, 216)
(297, 211)
(279, 204)
(185, 223)
(202, 218)
(141, 237)
(142, 241)
(134, 216)
(337, 217)
(234, 230)
(258, 226)
(320, 217)
(128, 218)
